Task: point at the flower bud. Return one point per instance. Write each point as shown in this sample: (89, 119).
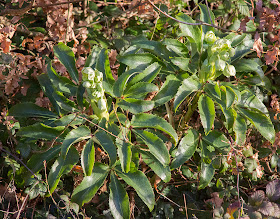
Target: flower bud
(102, 105)
(87, 84)
(98, 76)
(210, 37)
(220, 64)
(88, 70)
(229, 71)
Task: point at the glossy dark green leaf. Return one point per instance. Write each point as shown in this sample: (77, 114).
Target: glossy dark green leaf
(67, 58)
(36, 162)
(124, 150)
(249, 99)
(168, 90)
(73, 137)
(176, 46)
(136, 60)
(41, 131)
(140, 89)
(244, 48)
(213, 90)
(161, 170)
(262, 123)
(88, 157)
(118, 199)
(141, 184)
(148, 74)
(30, 110)
(84, 192)
(68, 120)
(120, 84)
(62, 166)
(155, 144)
(64, 103)
(193, 32)
(206, 175)
(136, 106)
(218, 140)
(144, 120)
(240, 129)
(48, 89)
(107, 144)
(207, 16)
(249, 65)
(188, 86)
(182, 63)
(207, 112)
(186, 148)
(62, 84)
(80, 95)
(92, 58)
(230, 96)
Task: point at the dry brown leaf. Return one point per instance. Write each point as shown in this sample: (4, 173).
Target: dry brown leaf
(258, 45)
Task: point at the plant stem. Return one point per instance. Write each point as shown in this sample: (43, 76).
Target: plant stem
(170, 116)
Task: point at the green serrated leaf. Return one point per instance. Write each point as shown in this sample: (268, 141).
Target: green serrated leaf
(206, 175)
(207, 16)
(41, 131)
(148, 74)
(182, 63)
(108, 145)
(262, 123)
(67, 58)
(168, 90)
(188, 86)
(186, 148)
(136, 106)
(120, 84)
(249, 65)
(240, 129)
(144, 120)
(136, 60)
(118, 199)
(30, 110)
(88, 157)
(140, 89)
(124, 150)
(84, 192)
(64, 103)
(207, 112)
(176, 46)
(155, 144)
(218, 140)
(62, 166)
(62, 84)
(161, 170)
(73, 137)
(141, 184)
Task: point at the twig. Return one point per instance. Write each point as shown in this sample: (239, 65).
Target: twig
(185, 205)
(192, 24)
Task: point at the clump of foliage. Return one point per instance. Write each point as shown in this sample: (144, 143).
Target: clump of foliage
(172, 109)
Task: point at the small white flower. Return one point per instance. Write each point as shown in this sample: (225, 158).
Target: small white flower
(229, 71)
(87, 84)
(210, 37)
(98, 76)
(88, 70)
(102, 104)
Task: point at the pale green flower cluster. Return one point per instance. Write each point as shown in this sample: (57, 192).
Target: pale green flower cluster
(219, 52)
(92, 81)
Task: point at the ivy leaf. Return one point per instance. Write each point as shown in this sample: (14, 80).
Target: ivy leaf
(67, 58)
(262, 123)
(118, 199)
(136, 106)
(206, 175)
(161, 170)
(88, 157)
(188, 86)
(207, 112)
(186, 148)
(141, 184)
(84, 192)
(155, 144)
(168, 90)
(30, 110)
(62, 166)
(73, 137)
(108, 145)
(144, 120)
